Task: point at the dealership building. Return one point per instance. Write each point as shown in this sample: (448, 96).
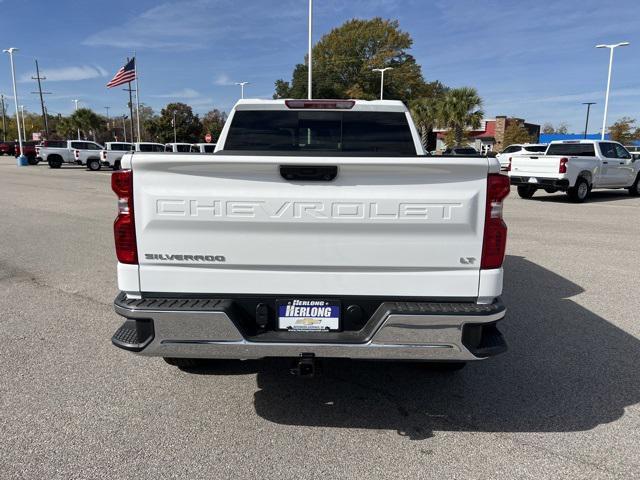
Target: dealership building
(490, 136)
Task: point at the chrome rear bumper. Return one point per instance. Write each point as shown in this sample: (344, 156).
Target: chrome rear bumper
(207, 328)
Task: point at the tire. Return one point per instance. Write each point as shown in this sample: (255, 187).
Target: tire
(526, 191)
(54, 161)
(579, 192)
(634, 190)
(33, 160)
(93, 164)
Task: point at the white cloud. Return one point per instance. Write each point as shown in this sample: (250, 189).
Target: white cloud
(186, 93)
(197, 24)
(64, 74)
(223, 80)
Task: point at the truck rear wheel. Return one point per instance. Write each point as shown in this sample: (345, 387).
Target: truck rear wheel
(93, 164)
(634, 190)
(54, 161)
(580, 191)
(526, 191)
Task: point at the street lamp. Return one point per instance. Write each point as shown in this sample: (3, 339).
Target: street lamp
(124, 128)
(606, 98)
(24, 130)
(173, 124)
(242, 84)
(310, 61)
(586, 125)
(76, 102)
(382, 70)
(21, 157)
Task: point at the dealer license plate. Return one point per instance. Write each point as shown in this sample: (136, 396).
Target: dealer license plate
(302, 315)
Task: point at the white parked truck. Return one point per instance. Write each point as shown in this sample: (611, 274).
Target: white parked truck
(319, 228)
(148, 147)
(179, 147)
(517, 150)
(205, 147)
(576, 167)
(112, 154)
(57, 152)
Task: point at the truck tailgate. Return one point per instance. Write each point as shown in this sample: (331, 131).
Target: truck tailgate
(384, 226)
(546, 165)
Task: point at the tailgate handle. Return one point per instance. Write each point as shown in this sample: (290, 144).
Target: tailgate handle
(309, 173)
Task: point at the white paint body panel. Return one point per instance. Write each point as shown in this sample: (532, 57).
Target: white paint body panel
(401, 226)
(383, 227)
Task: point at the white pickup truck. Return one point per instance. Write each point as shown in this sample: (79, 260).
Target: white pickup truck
(576, 167)
(112, 154)
(317, 229)
(57, 152)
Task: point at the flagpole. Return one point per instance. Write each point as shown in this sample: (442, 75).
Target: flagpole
(137, 95)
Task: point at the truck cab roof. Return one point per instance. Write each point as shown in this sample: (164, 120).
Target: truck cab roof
(322, 104)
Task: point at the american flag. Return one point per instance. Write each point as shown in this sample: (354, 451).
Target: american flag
(125, 75)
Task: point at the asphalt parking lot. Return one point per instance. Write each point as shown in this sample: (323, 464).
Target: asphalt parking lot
(561, 403)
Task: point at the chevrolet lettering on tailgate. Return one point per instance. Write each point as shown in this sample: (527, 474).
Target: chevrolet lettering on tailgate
(307, 210)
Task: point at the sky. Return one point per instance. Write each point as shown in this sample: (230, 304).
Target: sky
(532, 60)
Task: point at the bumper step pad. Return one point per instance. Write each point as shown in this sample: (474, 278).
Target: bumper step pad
(133, 335)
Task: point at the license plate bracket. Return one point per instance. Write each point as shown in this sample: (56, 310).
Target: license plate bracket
(308, 315)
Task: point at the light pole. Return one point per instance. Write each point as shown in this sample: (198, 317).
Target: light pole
(21, 157)
(310, 60)
(76, 102)
(173, 124)
(586, 125)
(24, 130)
(4, 120)
(242, 84)
(124, 127)
(382, 70)
(606, 98)
(108, 121)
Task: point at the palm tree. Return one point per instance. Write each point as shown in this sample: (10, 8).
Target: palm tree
(86, 120)
(424, 112)
(459, 110)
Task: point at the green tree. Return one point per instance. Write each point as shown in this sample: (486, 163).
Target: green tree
(188, 127)
(344, 58)
(562, 128)
(212, 123)
(147, 116)
(424, 110)
(516, 133)
(459, 109)
(625, 131)
(87, 121)
(65, 128)
(548, 128)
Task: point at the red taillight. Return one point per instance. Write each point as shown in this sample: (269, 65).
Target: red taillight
(104, 155)
(563, 165)
(124, 228)
(321, 104)
(76, 154)
(495, 230)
